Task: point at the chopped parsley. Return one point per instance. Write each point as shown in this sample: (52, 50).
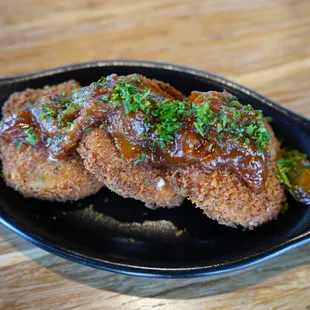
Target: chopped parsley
(231, 119)
(100, 82)
(49, 142)
(46, 110)
(74, 91)
(294, 173)
(204, 117)
(269, 153)
(168, 120)
(60, 120)
(141, 158)
(287, 165)
(236, 104)
(282, 174)
(284, 208)
(85, 211)
(133, 98)
(250, 129)
(31, 137)
(219, 127)
(165, 117)
(98, 217)
(19, 144)
(135, 79)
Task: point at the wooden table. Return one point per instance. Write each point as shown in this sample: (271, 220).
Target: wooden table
(263, 44)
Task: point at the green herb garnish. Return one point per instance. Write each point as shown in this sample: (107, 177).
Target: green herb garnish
(284, 208)
(49, 142)
(168, 120)
(19, 144)
(48, 110)
(204, 117)
(133, 98)
(31, 137)
(135, 79)
(85, 212)
(294, 173)
(141, 158)
(165, 117)
(98, 217)
(60, 120)
(236, 104)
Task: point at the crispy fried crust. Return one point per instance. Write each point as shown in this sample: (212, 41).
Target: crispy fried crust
(221, 194)
(28, 169)
(144, 183)
(102, 158)
(29, 97)
(169, 91)
(226, 198)
(159, 87)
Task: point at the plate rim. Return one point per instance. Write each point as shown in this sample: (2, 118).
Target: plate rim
(155, 272)
(150, 64)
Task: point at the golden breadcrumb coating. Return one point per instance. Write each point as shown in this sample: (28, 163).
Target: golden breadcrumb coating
(226, 198)
(29, 170)
(145, 183)
(29, 97)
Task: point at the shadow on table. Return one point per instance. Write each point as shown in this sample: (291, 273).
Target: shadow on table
(163, 288)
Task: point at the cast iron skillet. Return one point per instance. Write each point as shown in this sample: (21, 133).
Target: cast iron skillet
(108, 232)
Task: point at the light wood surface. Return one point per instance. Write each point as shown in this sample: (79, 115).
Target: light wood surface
(262, 44)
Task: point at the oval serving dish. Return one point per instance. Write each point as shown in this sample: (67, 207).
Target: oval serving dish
(109, 232)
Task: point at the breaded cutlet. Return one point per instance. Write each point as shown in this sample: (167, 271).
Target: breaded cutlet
(29, 169)
(141, 182)
(224, 197)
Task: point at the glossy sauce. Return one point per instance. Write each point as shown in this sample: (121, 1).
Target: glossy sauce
(13, 130)
(301, 181)
(133, 136)
(188, 147)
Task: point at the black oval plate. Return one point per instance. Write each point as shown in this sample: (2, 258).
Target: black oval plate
(115, 234)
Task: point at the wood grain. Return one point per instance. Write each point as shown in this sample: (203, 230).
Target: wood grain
(262, 44)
